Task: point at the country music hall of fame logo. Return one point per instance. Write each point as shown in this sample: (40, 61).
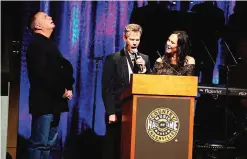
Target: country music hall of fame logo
(162, 125)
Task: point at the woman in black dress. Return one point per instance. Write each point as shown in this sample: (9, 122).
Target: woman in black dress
(176, 60)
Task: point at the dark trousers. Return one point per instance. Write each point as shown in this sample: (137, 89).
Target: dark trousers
(112, 139)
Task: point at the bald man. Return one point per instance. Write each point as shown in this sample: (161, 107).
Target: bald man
(51, 80)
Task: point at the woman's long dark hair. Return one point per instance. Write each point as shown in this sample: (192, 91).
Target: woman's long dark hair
(184, 46)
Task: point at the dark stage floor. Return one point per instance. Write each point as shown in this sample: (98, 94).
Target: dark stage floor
(89, 146)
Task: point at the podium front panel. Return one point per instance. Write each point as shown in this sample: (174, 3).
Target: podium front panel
(163, 127)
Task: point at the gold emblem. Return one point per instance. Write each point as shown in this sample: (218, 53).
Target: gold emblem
(162, 125)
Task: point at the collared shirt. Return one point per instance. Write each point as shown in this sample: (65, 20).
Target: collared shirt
(132, 57)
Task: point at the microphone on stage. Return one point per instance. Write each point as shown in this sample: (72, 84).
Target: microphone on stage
(159, 54)
(178, 73)
(135, 51)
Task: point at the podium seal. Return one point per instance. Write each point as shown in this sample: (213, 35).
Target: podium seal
(162, 125)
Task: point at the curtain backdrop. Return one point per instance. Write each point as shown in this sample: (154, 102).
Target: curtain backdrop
(85, 29)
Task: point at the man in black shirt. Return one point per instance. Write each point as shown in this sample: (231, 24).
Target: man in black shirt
(51, 80)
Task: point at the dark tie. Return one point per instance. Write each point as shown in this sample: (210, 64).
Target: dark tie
(133, 61)
(132, 57)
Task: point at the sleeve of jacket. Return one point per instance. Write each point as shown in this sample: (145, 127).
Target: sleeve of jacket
(68, 74)
(147, 63)
(107, 84)
(42, 74)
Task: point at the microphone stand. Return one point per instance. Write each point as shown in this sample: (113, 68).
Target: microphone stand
(210, 56)
(227, 69)
(208, 52)
(97, 59)
(226, 100)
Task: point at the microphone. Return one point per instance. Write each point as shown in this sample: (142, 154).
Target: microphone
(135, 51)
(159, 54)
(179, 74)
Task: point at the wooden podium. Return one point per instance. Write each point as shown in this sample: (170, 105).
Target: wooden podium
(158, 117)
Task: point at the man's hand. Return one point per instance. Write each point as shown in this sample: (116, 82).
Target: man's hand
(141, 62)
(68, 94)
(112, 119)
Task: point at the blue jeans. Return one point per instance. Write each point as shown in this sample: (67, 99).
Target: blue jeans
(43, 135)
